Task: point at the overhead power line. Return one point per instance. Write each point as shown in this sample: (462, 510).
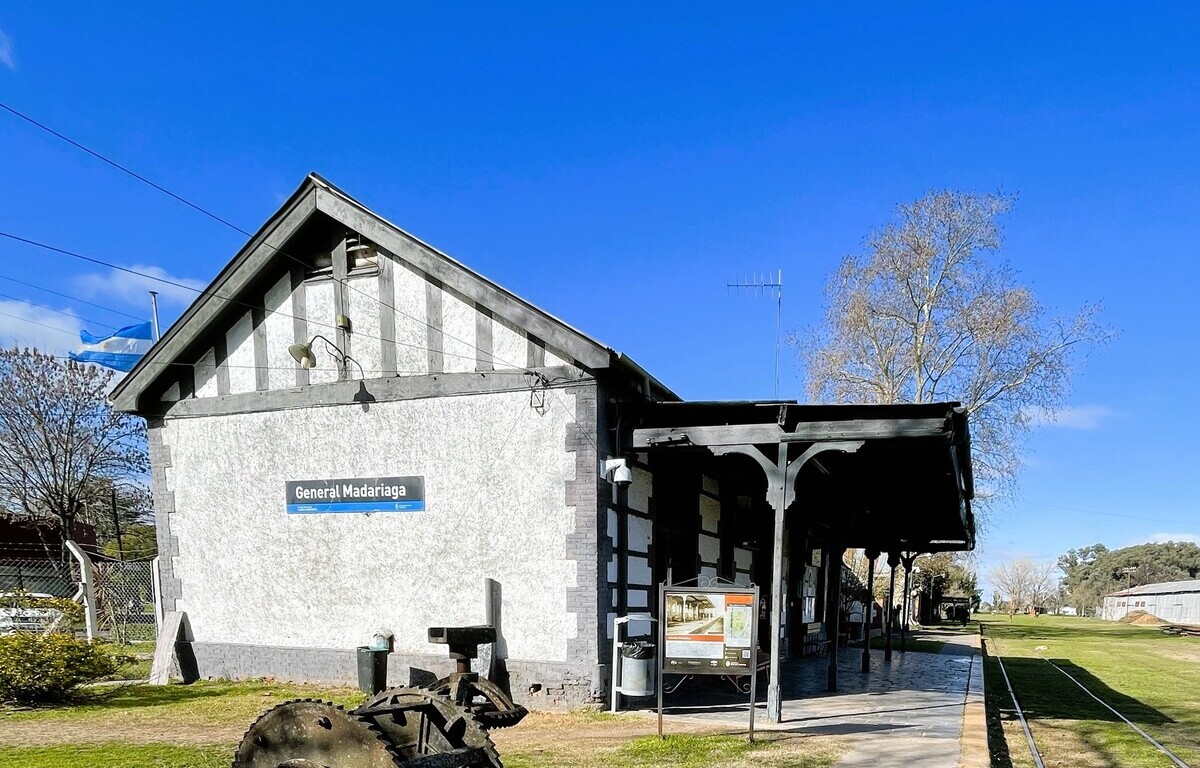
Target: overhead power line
(215, 217)
(205, 292)
(56, 311)
(70, 297)
(118, 166)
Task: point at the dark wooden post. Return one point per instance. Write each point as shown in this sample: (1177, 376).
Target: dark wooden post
(833, 612)
(893, 560)
(778, 489)
(907, 561)
(866, 654)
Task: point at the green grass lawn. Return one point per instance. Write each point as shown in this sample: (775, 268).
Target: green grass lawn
(1149, 677)
(199, 725)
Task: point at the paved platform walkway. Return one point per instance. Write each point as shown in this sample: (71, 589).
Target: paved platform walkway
(909, 711)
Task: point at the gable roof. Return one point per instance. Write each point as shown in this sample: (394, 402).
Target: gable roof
(317, 196)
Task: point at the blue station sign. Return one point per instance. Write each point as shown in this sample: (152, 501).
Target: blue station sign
(369, 494)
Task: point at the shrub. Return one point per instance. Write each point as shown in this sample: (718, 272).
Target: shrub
(47, 669)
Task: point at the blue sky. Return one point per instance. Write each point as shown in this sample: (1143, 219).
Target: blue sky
(618, 165)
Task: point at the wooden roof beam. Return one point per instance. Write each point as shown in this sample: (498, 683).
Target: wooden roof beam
(807, 432)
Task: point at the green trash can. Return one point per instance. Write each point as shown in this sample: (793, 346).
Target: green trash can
(372, 670)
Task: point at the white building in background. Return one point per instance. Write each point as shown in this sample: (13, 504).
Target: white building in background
(1171, 601)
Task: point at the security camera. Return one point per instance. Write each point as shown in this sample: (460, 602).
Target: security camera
(617, 471)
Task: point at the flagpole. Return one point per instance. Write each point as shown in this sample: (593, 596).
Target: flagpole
(154, 312)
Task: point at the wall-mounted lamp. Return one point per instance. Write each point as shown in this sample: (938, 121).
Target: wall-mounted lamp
(617, 471)
(304, 354)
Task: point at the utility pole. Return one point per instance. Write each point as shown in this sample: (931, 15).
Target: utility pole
(116, 521)
(768, 285)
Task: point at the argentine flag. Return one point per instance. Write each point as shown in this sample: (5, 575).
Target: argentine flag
(121, 350)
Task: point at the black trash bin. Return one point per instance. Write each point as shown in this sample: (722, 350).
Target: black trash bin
(372, 670)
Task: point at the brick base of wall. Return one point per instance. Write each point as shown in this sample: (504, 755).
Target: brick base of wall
(536, 684)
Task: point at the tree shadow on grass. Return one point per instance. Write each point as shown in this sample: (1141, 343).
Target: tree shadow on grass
(1046, 693)
(144, 695)
(136, 696)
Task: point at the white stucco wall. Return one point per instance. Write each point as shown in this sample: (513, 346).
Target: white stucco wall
(322, 317)
(281, 334)
(239, 342)
(206, 375)
(495, 472)
(409, 288)
(458, 326)
(366, 346)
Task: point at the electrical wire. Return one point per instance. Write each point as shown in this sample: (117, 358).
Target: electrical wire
(215, 217)
(56, 311)
(220, 219)
(213, 294)
(60, 358)
(1098, 512)
(70, 297)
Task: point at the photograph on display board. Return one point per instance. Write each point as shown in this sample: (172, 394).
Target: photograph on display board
(708, 631)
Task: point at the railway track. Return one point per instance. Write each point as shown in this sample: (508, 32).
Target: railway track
(1029, 740)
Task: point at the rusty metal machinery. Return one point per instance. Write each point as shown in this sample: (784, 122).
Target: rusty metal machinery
(443, 726)
(488, 702)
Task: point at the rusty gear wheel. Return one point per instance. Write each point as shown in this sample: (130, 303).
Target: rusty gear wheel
(308, 733)
(418, 722)
(490, 705)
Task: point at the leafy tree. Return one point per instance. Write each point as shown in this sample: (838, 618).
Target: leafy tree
(62, 446)
(945, 574)
(137, 541)
(1092, 572)
(929, 313)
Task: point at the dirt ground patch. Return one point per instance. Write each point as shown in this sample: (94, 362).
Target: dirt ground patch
(50, 733)
(214, 716)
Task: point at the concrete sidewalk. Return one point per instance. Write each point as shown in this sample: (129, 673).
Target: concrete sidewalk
(921, 710)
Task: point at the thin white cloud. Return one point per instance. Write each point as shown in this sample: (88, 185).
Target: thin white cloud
(1163, 538)
(23, 325)
(133, 290)
(8, 56)
(1084, 417)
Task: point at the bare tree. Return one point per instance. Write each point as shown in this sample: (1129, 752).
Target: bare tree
(927, 314)
(1043, 583)
(1014, 580)
(62, 447)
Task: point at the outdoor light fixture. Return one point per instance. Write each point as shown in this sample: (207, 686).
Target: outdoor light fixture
(303, 353)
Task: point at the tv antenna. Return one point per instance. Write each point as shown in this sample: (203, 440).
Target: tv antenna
(768, 285)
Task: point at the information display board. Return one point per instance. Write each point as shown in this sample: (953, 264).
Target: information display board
(708, 630)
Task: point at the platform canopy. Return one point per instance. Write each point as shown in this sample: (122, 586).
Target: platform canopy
(892, 478)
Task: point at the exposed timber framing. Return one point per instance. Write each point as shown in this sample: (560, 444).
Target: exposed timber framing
(781, 493)
(807, 432)
(384, 390)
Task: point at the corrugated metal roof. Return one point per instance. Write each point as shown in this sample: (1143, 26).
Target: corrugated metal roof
(1164, 588)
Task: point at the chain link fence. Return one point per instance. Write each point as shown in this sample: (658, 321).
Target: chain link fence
(123, 590)
(40, 577)
(124, 599)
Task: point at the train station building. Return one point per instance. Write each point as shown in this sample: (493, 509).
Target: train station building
(351, 431)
